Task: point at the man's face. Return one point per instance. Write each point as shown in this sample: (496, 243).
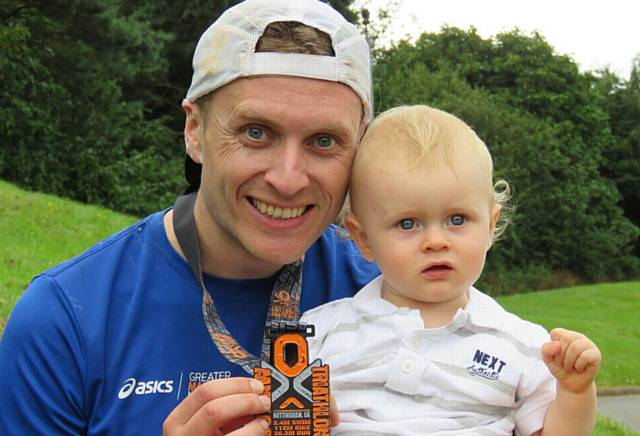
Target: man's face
(276, 154)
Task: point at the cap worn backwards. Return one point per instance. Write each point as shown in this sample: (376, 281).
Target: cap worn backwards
(226, 51)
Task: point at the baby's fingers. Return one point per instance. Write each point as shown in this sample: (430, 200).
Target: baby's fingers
(590, 357)
(559, 334)
(550, 350)
(573, 343)
(574, 348)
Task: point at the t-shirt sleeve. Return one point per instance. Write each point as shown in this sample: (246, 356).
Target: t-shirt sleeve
(361, 270)
(42, 364)
(536, 393)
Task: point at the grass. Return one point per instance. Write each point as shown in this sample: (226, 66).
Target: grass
(39, 231)
(607, 313)
(608, 427)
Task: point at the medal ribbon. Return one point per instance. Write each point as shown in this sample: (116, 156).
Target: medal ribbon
(285, 296)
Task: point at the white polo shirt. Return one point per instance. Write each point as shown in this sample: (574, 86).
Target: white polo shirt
(482, 374)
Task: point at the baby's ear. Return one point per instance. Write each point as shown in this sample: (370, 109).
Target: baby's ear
(495, 214)
(359, 236)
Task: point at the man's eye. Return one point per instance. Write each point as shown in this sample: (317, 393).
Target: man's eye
(255, 133)
(457, 220)
(324, 141)
(407, 224)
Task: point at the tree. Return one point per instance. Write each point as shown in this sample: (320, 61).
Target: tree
(80, 73)
(546, 128)
(622, 158)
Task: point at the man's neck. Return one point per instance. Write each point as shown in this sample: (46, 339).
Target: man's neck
(225, 266)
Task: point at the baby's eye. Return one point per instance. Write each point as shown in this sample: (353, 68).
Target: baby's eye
(324, 141)
(457, 220)
(407, 224)
(255, 133)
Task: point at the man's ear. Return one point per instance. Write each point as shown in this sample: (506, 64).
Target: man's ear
(495, 214)
(363, 129)
(359, 236)
(192, 128)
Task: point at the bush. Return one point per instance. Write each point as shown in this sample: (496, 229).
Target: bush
(533, 278)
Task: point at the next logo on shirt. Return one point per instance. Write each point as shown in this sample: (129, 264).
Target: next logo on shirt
(487, 366)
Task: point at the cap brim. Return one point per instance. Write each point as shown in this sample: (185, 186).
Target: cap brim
(192, 173)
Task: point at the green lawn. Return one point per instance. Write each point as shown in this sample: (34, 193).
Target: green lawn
(609, 427)
(607, 313)
(39, 231)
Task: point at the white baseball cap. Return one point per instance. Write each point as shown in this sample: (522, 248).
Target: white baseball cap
(226, 51)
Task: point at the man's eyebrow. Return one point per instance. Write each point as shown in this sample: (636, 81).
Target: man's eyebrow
(250, 114)
(339, 129)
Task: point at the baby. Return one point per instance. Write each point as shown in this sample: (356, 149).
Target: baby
(419, 350)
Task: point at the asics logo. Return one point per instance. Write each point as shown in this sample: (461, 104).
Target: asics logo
(132, 386)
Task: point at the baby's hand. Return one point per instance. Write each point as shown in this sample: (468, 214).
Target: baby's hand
(572, 359)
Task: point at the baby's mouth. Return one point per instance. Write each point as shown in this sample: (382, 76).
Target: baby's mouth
(438, 268)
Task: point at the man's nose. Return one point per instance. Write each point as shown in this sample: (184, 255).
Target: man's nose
(434, 239)
(288, 169)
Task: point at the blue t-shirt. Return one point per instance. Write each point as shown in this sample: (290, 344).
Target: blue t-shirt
(111, 341)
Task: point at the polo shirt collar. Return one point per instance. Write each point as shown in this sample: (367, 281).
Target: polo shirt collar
(481, 310)
(369, 301)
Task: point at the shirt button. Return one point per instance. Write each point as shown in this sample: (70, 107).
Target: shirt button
(408, 366)
(416, 342)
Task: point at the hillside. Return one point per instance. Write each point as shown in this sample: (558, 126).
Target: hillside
(39, 231)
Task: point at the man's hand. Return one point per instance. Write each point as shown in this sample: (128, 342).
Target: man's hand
(572, 359)
(220, 407)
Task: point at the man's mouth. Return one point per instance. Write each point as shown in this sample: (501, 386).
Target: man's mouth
(277, 212)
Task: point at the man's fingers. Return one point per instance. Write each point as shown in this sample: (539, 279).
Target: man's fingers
(220, 412)
(209, 392)
(236, 424)
(256, 427)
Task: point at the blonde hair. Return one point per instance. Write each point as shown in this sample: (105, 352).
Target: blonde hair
(419, 136)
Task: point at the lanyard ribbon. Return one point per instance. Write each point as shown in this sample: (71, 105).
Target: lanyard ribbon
(285, 296)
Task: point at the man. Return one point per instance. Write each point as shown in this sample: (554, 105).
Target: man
(131, 332)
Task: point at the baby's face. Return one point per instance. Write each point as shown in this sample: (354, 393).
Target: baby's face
(428, 229)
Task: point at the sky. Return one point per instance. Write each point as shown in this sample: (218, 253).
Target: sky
(595, 34)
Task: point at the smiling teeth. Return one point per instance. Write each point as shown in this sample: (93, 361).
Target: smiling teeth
(283, 213)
